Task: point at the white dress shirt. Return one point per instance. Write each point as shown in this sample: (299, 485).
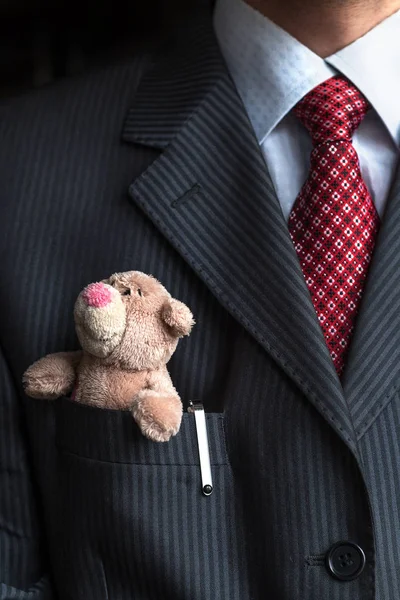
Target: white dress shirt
(273, 71)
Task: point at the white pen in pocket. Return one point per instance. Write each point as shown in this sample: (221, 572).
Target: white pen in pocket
(197, 409)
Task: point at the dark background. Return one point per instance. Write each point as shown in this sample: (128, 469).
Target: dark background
(41, 41)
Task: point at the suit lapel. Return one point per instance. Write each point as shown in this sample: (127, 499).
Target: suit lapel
(210, 194)
(373, 368)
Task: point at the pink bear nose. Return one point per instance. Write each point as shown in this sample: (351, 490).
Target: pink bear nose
(97, 295)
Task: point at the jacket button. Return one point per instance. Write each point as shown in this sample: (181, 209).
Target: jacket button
(345, 561)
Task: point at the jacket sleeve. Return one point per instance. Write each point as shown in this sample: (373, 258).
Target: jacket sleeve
(24, 571)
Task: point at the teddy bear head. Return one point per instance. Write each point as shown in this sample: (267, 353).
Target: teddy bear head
(130, 320)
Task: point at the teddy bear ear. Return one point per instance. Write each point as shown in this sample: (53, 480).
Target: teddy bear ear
(178, 317)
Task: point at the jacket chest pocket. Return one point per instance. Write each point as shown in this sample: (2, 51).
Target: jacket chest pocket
(133, 521)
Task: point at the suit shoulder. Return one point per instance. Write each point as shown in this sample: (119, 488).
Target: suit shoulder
(69, 102)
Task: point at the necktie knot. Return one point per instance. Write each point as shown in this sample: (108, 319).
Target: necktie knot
(332, 111)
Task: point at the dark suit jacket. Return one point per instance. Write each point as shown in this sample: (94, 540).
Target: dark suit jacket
(153, 165)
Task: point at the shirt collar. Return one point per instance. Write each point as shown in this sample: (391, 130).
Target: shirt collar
(273, 71)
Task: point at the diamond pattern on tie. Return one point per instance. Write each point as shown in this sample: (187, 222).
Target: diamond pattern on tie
(333, 223)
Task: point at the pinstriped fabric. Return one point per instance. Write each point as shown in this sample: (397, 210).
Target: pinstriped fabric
(123, 519)
(171, 100)
(18, 521)
(79, 429)
(282, 467)
(163, 554)
(381, 451)
(69, 222)
(58, 170)
(40, 590)
(374, 361)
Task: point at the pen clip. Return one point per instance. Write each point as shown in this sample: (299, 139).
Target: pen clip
(197, 408)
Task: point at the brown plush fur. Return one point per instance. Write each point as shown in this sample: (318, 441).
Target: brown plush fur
(127, 340)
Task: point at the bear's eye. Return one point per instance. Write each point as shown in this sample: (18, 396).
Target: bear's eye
(126, 293)
(139, 292)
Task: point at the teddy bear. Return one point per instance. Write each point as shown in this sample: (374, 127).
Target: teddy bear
(128, 327)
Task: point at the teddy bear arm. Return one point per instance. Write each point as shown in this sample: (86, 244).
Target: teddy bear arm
(52, 376)
(158, 408)
(160, 381)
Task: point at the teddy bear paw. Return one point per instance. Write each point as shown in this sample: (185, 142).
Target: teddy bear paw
(158, 415)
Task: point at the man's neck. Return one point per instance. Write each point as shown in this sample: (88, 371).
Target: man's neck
(326, 26)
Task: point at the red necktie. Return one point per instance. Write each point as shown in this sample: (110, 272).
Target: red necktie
(333, 223)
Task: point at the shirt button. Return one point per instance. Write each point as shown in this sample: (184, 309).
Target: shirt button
(345, 561)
